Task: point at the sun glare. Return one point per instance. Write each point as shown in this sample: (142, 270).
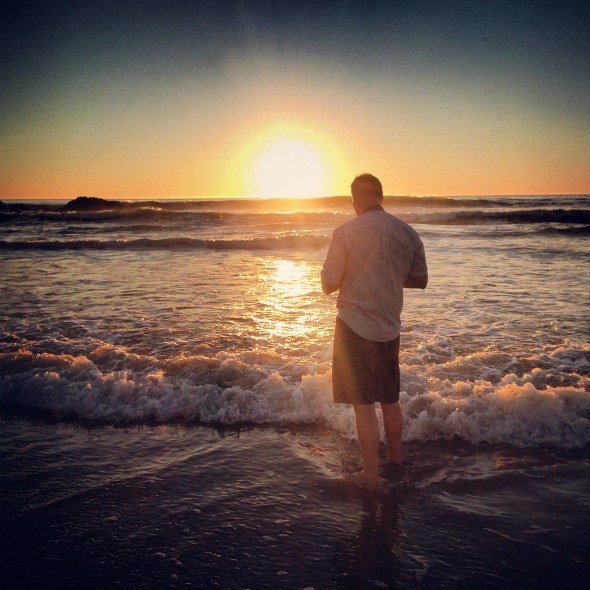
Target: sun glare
(286, 160)
(290, 168)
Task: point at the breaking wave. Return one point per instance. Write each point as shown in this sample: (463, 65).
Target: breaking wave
(267, 243)
(489, 397)
(156, 214)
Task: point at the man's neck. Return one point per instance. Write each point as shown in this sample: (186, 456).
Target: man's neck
(373, 207)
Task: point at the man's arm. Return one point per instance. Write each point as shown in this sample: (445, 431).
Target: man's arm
(328, 288)
(333, 270)
(416, 282)
(418, 276)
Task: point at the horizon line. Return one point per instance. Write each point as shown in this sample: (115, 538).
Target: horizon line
(255, 198)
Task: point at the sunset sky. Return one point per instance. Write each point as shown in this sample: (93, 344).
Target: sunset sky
(293, 98)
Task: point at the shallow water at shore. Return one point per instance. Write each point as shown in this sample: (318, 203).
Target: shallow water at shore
(269, 508)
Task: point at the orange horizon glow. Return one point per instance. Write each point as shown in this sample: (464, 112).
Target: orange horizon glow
(205, 100)
(238, 150)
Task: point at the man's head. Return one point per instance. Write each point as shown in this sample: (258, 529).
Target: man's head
(366, 190)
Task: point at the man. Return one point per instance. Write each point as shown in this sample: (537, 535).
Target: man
(370, 260)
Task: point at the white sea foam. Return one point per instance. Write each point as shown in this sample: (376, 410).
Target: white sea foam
(482, 398)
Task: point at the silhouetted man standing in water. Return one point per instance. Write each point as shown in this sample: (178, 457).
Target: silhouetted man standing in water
(370, 260)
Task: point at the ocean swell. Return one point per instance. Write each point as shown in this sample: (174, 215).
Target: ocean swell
(198, 219)
(524, 216)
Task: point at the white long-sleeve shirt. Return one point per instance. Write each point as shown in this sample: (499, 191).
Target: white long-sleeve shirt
(370, 258)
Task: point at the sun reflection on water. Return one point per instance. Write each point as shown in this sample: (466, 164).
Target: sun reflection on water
(290, 279)
(289, 296)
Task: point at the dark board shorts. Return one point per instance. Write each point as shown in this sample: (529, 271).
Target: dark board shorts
(363, 371)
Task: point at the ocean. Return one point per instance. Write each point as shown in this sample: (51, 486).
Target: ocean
(166, 415)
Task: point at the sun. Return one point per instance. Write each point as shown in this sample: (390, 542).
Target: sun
(290, 167)
(286, 159)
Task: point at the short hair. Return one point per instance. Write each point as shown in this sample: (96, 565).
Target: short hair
(366, 186)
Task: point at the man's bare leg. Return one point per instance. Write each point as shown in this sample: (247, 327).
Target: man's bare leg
(393, 424)
(367, 428)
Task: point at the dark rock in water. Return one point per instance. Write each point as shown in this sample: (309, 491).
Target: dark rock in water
(3, 206)
(99, 204)
(92, 204)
